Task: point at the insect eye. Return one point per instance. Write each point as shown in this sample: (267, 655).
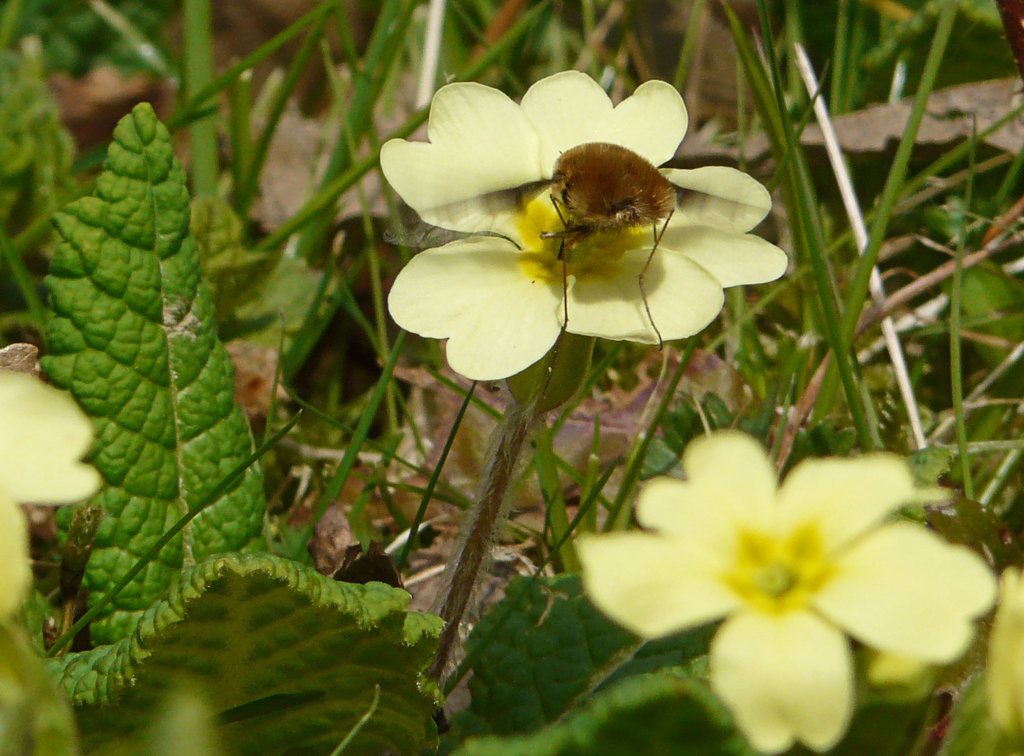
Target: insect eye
(565, 194)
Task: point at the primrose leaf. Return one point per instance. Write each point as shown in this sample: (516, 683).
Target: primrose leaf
(664, 713)
(133, 339)
(929, 464)
(236, 275)
(285, 298)
(972, 524)
(77, 39)
(538, 653)
(289, 658)
(35, 149)
(993, 302)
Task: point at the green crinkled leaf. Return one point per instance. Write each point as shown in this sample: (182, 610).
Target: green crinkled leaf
(184, 723)
(234, 274)
(538, 652)
(133, 339)
(288, 657)
(665, 714)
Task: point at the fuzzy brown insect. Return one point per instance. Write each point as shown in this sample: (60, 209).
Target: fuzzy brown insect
(599, 187)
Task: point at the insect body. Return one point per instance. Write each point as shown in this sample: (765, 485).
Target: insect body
(600, 187)
(605, 187)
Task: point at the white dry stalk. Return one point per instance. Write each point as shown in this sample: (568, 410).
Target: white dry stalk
(860, 235)
(1006, 468)
(431, 53)
(899, 80)
(402, 538)
(425, 575)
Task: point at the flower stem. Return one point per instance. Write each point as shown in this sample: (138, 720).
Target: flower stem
(483, 522)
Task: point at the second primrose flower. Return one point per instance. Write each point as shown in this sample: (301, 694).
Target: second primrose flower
(43, 435)
(1004, 673)
(500, 295)
(793, 570)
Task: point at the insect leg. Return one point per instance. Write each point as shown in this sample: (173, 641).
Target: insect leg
(565, 225)
(565, 313)
(565, 264)
(565, 284)
(643, 290)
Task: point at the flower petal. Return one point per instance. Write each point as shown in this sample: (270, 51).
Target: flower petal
(785, 677)
(15, 574)
(570, 108)
(729, 479)
(566, 109)
(722, 197)
(683, 298)
(474, 293)
(1004, 673)
(845, 497)
(733, 259)
(480, 142)
(650, 585)
(903, 589)
(43, 434)
(651, 122)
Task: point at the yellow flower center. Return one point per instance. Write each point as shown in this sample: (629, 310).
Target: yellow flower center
(593, 255)
(777, 574)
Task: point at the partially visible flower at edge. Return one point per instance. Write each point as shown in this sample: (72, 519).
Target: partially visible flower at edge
(43, 434)
(1004, 672)
(499, 299)
(793, 570)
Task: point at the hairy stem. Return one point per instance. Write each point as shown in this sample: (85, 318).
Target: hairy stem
(483, 521)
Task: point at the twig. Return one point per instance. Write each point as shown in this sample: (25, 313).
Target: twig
(800, 412)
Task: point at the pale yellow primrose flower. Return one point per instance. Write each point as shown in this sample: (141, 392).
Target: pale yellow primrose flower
(15, 573)
(1004, 674)
(43, 434)
(498, 301)
(793, 569)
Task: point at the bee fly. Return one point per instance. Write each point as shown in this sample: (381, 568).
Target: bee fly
(599, 187)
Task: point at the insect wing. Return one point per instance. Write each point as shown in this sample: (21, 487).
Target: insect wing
(472, 215)
(717, 195)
